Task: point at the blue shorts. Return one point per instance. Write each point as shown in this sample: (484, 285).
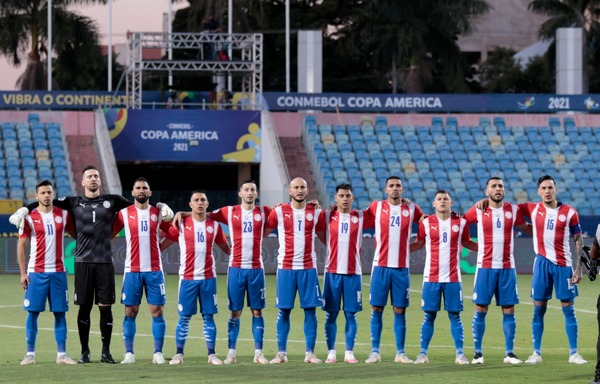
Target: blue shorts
(134, 284)
(546, 274)
(51, 286)
(431, 297)
(304, 281)
(394, 280)
(193, 291)
(249, 283)
(336, 286)
(501, 283)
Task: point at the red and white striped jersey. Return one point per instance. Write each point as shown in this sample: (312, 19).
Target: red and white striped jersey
(393, 228)
(296, 229)
(443, 242)
(142, 235)
(196, 241)
(552, 228)
(46, 232)
(495, 235)
(246, 230)
(344, 241)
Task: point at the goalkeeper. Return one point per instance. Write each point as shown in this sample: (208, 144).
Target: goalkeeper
(93, 215)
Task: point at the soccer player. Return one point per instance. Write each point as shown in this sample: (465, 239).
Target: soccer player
(93, 215)
(390, 274)
(44, 277)
(246, 274)
(553, 224)
(595, 255)
(444, 235)
(197, 234)
(297, 224)
(343, 272)
(496, 273)
(143, 268)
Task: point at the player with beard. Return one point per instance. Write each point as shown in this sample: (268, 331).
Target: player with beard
(297, 225)
(93, 215)
(143, 268)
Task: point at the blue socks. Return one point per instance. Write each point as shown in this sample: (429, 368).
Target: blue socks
(537, 327)
(283, 329)
(60, 331)
(210, 333)
(427, 330)
(31, 330)
(330, 329)
(400, 331)
(376, 327)
(258, 331)
(310, 328)
(457, 330)
(509, 326)
(129, 330)
(351, 330)
(159, 329)
(233, 331)
(182, 329)
(571, 327)
(478, 327)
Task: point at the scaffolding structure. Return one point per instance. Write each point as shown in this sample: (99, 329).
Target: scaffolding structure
(244, 59)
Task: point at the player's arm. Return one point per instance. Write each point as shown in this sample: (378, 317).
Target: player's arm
(466, 240)
(271, 223)
(171, 237)
(221, 241)
(21, 251)
(420, 241)
(117, 224)
(577, 265)
(180, 216)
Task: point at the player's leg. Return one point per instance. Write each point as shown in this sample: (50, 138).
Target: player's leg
(453, 304)
(597, 374)
(566, 293)
(507, 297)
(309, 291)
(541, 292)
(34, 302)
(352, 289)
(156, 298)
(208, 308)
(236, 289)
(187, 306)
(431, 301)
(59, 305)
(378, 293)
(84, 298)
(400, 301)
(332, 295)
(131, 297)
(256, 302)
(483, 289)
(285, 288)
(105, 297)
(31, 331)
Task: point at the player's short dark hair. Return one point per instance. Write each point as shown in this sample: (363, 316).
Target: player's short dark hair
(44, 183)
(544, 178)
(442, 192)
(248, 181)
(392, 178)
(142, 180)
(88, 167)
(198, 191)
(343, 186)
(492, 178)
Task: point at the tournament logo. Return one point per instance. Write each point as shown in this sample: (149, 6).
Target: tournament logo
(58, 219)
(154, 218)
(508, 215)
(562, 218)
(106, 204)
(257, 217)
(405, 213)
(455, 228)
(309, 217)
(209, 229)
(354, 219)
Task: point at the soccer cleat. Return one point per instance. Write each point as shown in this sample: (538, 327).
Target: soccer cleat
(349, 358)
(129, 358)
(214, 360)
(65, 359)
(311, 358)
(177, 359)
(85, 358)
(28, 360)
(402, 359)
(331, 357)
(477, 358)
(461, 359)
(511, 358)
(536, 358)
(280, 357)
(259, 358)
(576, 358)
(374, 358)
(422, 359)
(107, 358)
(158, 358)
(230, 358)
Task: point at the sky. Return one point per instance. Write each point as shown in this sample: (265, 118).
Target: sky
(127, 15)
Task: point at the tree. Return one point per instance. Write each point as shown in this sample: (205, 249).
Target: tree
(24, 35)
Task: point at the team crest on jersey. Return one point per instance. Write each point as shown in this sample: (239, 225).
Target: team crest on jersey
(354, 219)
(153, 217)
(508, 215)
(257, 217)
(106, 204)
(405, 213)
(455, 228)
(309, 217)
(58, 219)
(26, 303)
(562, 218)
(209, 229)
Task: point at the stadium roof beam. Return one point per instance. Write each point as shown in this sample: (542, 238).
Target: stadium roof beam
(245, 61)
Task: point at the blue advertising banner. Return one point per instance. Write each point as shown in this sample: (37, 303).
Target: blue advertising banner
(185, 135)
(540, 103)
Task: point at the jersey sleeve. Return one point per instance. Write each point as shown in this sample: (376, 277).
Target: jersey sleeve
(220, 215)
(525, 209)
(368, 220)
(120, 202)
(418, 214)
(321, 224)
(574, 224)
(172, 233)
(66, 203)
(118, 223)
(220, 236)
(25, 232)
(272, 221)
(164, 226)
(70, 226)
(471, 215)
(466, 235)
(421, 232)
(519, 219)
(372, 210)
